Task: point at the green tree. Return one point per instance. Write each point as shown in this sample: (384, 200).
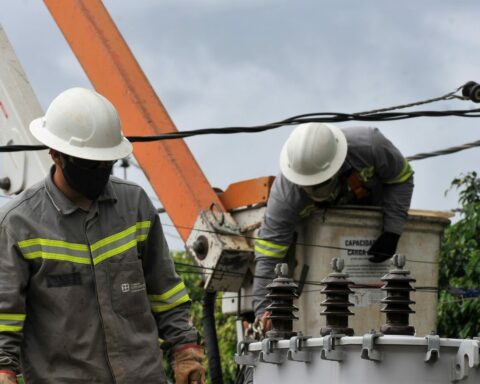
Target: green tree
(225, 323)
(460, 264)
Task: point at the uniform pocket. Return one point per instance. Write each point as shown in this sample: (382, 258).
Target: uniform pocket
(127, 285)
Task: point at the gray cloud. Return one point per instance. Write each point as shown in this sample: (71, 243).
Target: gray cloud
(217, 63)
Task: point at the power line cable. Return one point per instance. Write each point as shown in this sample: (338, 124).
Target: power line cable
(382, 114)
(293, 243)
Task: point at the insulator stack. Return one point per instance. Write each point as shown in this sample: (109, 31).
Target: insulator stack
(281, 293)
(337, 289)
(397, 302)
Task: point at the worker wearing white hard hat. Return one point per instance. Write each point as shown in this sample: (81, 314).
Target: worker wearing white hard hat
(320, 165)
(86, 279)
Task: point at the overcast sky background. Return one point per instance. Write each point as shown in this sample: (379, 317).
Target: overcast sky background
(219, 63)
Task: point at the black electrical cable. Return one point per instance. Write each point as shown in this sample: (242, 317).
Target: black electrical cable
(294, 243)
(300, 119)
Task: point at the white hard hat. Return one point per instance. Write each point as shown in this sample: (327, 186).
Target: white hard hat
(313, 153)
(82, 123)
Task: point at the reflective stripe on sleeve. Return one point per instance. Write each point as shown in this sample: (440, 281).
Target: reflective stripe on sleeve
(170, 299)
(270, 249)
(403, 176)
(12, 322)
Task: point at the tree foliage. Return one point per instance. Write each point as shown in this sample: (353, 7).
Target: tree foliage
(225, 324)
(460, 265)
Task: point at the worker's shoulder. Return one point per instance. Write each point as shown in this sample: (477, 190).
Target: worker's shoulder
(24, 203)
(126, 188)
(359, 135)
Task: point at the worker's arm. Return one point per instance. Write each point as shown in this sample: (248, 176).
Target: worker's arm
(394, 171)
(167, 293)
(170, 304)
(396, 175)
(284, 208)
(14, 275)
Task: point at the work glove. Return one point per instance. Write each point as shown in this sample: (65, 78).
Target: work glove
(263, 323)
(187, 364)
(384, 247)
(7, 377)
(258, 328)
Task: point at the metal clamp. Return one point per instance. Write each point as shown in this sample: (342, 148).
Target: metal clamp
(243, 357)
(467, 357)
(328, 351)
(433, 348)
(268, 355)
(368, 347)
(296, 352)
(220, 224)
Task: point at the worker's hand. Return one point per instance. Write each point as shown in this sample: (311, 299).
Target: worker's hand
(8, 377)
(384, 247)
(262, 323)
(187, 364)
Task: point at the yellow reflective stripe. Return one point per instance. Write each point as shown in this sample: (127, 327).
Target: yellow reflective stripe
(269, 244)
(144, 224)
(56, 256)
(13, 316)
(168, 294)
(113, 238)
(122, 234)
(403, 176)
(265, 252)
(141, 237)
(166, 307)
(10, 328)
(114, 251)
(52, 243)
(141, 225)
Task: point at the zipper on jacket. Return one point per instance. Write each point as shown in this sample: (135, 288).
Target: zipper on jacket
(92, 266)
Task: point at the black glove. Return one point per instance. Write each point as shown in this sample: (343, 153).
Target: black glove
(384, 247)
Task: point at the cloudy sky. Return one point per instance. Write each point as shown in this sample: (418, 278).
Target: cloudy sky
(217, 63)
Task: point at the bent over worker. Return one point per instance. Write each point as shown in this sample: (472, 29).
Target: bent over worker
(323, 165)
(87, 286)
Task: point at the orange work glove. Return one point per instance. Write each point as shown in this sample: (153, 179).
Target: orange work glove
(187, 364)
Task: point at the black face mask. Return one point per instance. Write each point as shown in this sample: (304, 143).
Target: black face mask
(91, 181)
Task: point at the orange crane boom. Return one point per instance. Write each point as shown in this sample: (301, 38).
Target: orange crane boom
(113, 70)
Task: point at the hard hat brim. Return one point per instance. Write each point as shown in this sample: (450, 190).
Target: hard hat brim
(120, 151)
(322, 176)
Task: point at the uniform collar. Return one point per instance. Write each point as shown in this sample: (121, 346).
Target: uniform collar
(63, 204)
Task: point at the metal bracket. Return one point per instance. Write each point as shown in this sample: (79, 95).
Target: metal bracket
(296, 353)
(243, 357)
(368, 348)
(433, 348)
(328, 351)
(220, 224)
(268, 355)
(467, 357)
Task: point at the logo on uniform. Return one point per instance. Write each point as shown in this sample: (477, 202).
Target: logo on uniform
(125, 287)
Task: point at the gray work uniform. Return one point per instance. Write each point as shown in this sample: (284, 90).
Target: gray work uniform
(382, 171)
(85, 296)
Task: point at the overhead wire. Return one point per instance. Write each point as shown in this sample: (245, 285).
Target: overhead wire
(200, 270)
(293, 243)
(383, 114)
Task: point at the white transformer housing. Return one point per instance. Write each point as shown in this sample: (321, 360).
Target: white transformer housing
(372, 359)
